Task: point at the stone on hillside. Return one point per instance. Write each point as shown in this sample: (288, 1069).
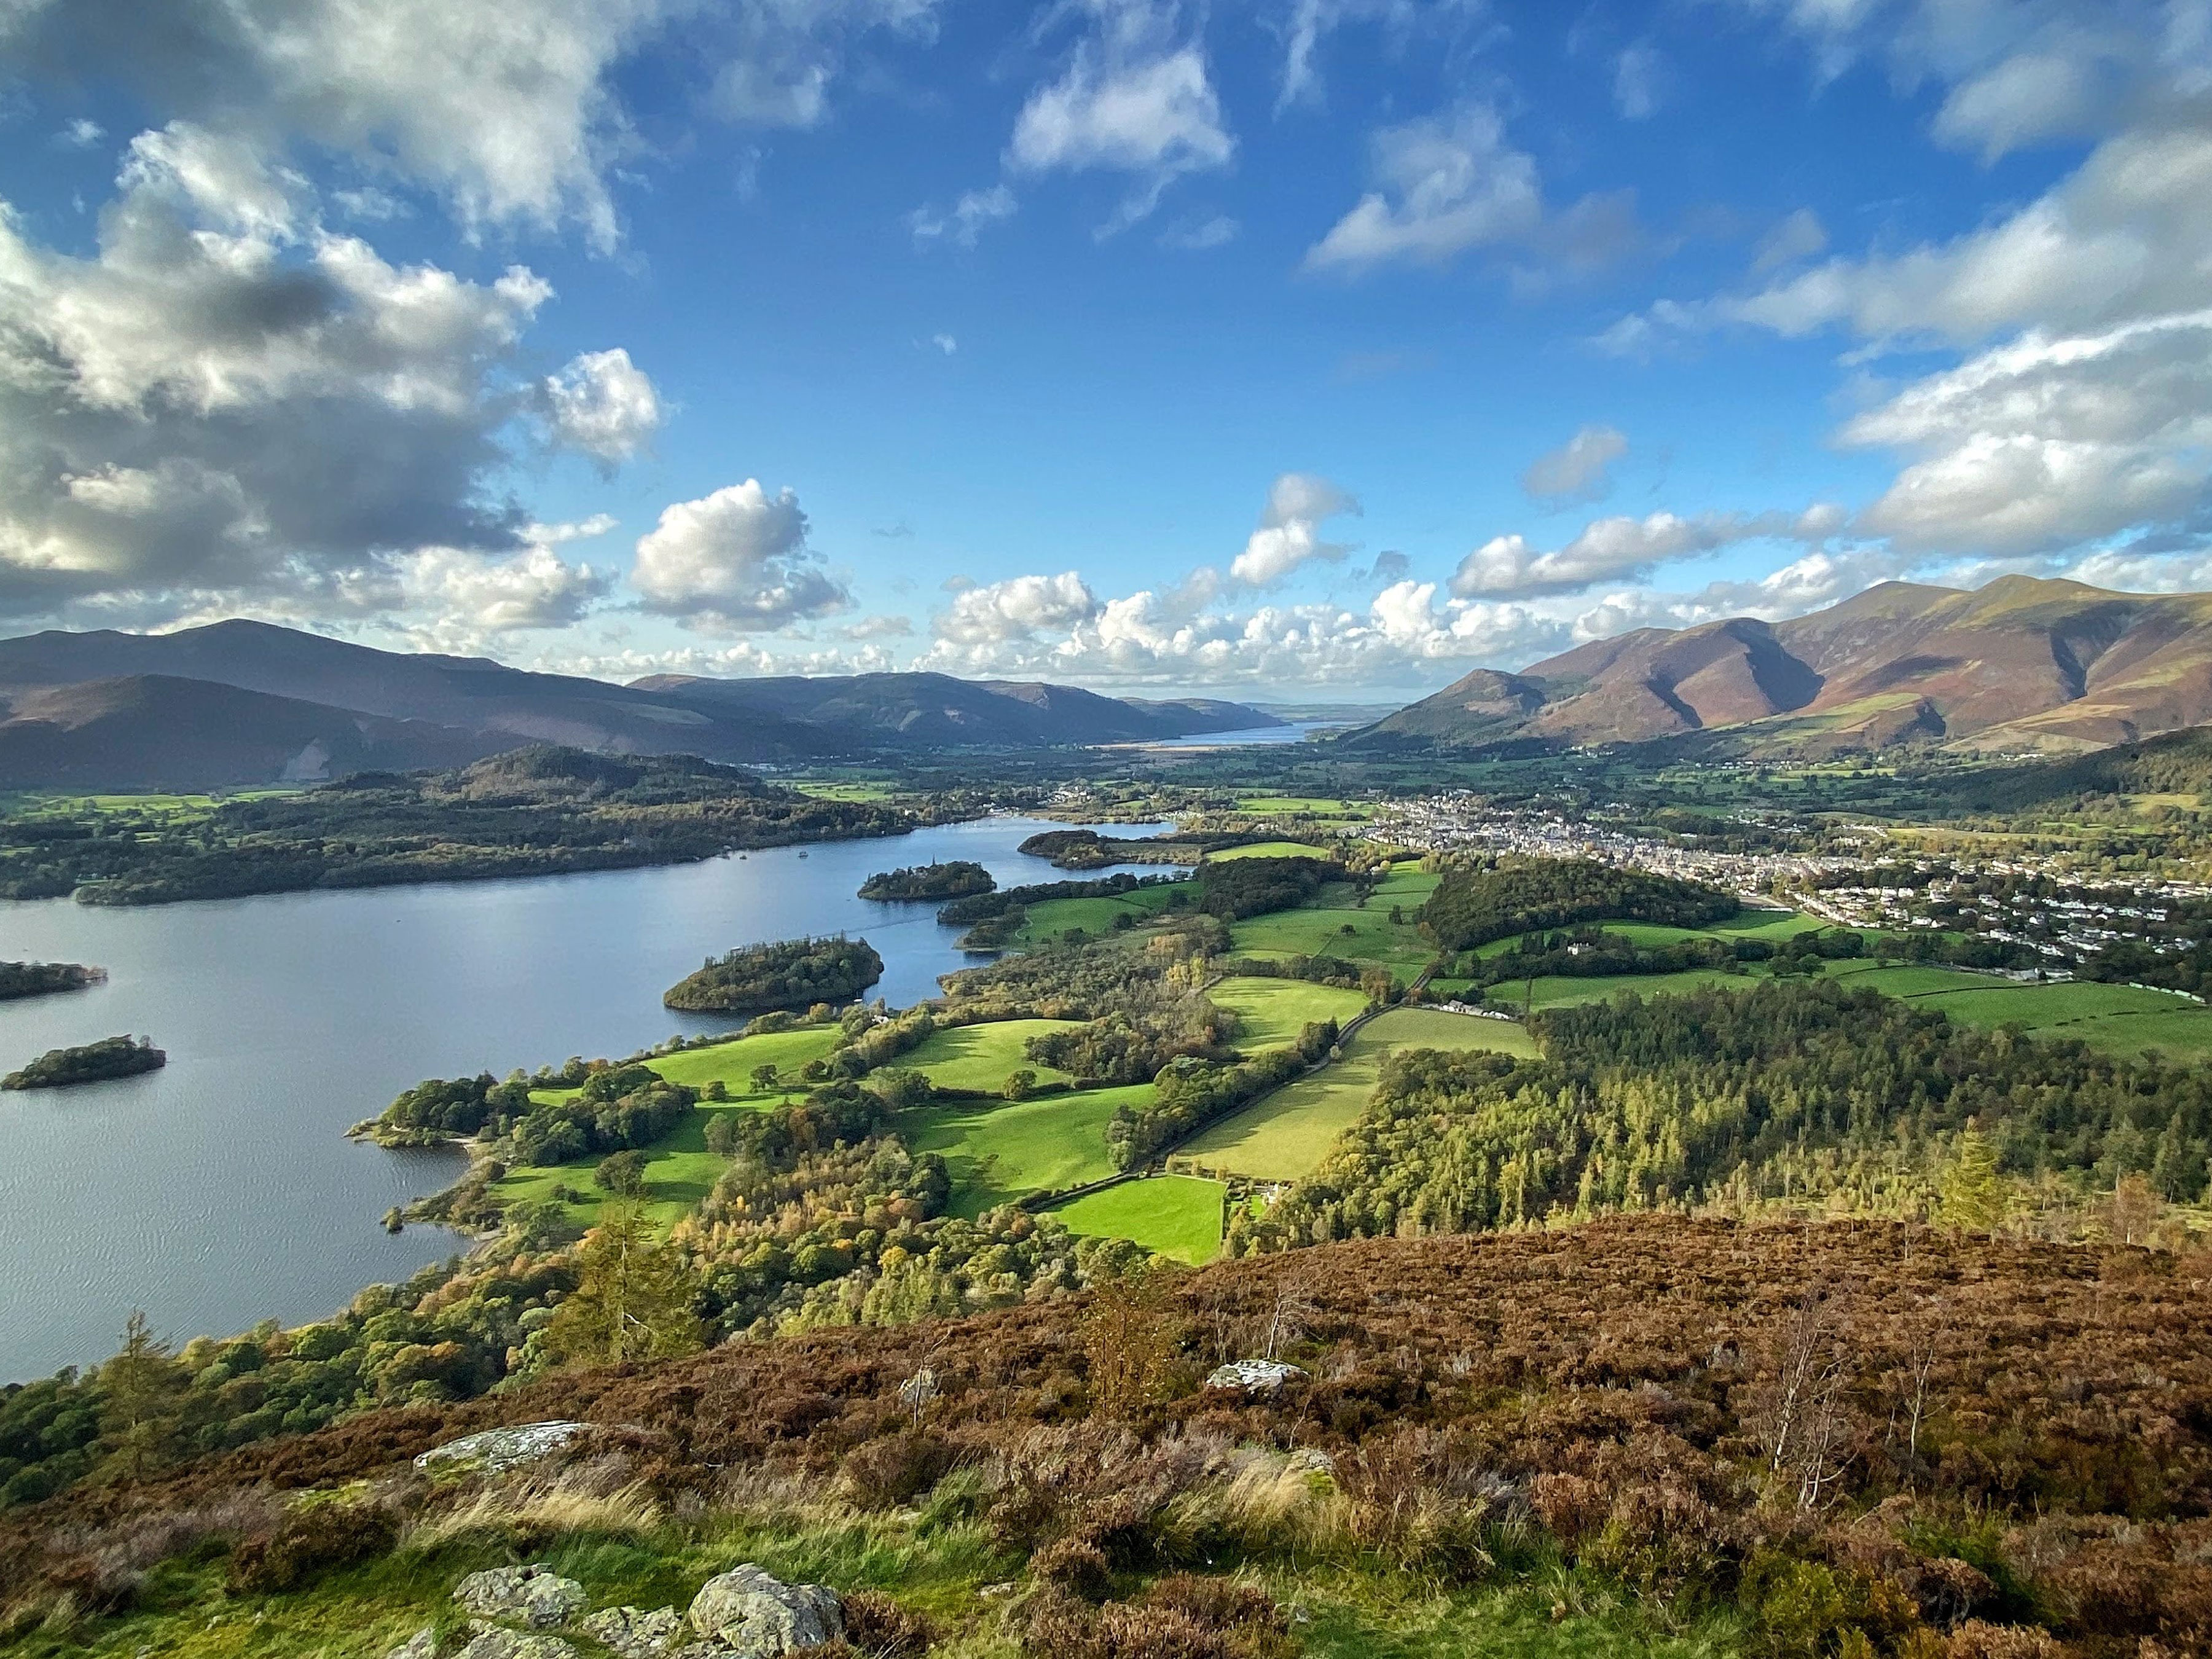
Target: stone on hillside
(517, 1644)
(491, 1451)
(423, 1645)
(635, 1634)
(1253, 1375)
(535, 1596)
(758, 1617)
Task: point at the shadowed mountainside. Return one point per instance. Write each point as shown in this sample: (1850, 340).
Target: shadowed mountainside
(240, 702)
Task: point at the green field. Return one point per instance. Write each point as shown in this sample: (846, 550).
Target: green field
(1175, 1215)
(1272, 1012)
(1303, 806)
(1335, 925)
(1284, 1136)
(679, 1170)
(1270, 849)
(1561, 992)
(1772, 926)
(733, 1063)
(1095, 916)
(999, 1151)
(2117, 1019)
(982, 1056)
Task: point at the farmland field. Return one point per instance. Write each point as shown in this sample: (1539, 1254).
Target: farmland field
(1095, 916)
(1272, 1012)
(1335, 926)
(2117, 1019)
(732, 1063)
(1175, 1215)
(997, 1151)
(1269, 849)
(1284, 1136)
(982, 1056)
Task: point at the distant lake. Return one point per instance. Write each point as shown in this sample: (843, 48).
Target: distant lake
(1252, 737)
(221, 1190)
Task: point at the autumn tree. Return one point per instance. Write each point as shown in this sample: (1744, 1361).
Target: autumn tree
(633, 1296)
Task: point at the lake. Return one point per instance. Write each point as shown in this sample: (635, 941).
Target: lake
(221, 1190)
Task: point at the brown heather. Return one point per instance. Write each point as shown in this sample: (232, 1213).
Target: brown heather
(1930, 1445)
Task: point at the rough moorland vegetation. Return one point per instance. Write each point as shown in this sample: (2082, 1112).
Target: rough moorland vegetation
(534, 811)
(90, 1062)
(1477, 903)
(1645, 1435)
(792, 973)
(954, 878)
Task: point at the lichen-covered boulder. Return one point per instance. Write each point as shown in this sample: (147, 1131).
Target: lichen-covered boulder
(423, 1645)
(1253, 1375)
(517, 1644)
(493, 1451)
(536, 1596)
(635, 1634)
(758, 1617)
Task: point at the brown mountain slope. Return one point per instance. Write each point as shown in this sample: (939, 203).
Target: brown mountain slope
(2019, 664)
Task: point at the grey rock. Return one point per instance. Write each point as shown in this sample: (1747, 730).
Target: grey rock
(517, 1644)
(758, 1617)
(635, 1634)
(491, 1451)
(535, 1596)
(1253, 1375)
(423, 1645)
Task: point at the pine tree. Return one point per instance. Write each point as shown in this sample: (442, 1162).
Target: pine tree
(1974, 1192)
(138, 1419)
(633, 1297)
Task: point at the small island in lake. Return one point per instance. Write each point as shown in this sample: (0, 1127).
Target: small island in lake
(792, 973)
(39, 979)
(954, 879)
(93, 1062)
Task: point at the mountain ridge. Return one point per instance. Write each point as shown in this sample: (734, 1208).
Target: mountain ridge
(241, 702)
(2022, 664)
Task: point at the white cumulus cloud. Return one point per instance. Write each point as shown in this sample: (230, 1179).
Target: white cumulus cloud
(603, 405)
(1288, 532)
(736, 560)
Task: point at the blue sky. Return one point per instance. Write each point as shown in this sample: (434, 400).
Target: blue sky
(1327, 347)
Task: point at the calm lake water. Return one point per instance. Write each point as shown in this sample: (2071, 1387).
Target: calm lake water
(221, 1190)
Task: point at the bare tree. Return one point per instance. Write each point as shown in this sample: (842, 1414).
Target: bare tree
(1804, 1421)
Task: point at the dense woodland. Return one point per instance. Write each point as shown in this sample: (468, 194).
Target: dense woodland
(1800, 1091)
(795, 973)
(39, 979)
(1476, 904)
(534, 811)
(954, 878)
(90, 1062)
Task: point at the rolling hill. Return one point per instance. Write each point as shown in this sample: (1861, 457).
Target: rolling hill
(2020, 665)
(240, 702)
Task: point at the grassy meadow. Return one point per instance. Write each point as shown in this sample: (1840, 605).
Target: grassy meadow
(1337, 925)
(1001, 1151)
(1178, 1216)
(1285, 1136)
(982, 1056)
(1270, 1012)
(679, 1170)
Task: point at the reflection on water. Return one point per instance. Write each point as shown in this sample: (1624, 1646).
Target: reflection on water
(221, 1190)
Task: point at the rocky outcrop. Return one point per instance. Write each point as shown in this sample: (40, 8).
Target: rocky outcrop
(535, 1596)
(1253, 1375)
(635, 1634)
(493, 1451)
(744, 1614)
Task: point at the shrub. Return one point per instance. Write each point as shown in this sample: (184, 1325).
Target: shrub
(880, 1474)
(313, 1537)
